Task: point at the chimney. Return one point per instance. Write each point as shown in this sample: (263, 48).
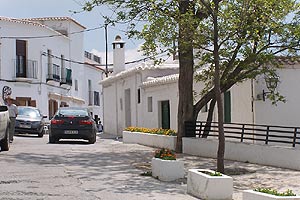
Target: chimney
(119, 54)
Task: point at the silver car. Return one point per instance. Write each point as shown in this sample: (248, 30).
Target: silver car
(4, 128)
(30, 120)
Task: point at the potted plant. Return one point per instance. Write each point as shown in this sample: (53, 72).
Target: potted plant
(165, 167)
(269, 194)
(209, 184)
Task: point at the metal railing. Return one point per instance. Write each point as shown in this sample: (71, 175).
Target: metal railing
(265, 134)
(25, 68)
(53, 72)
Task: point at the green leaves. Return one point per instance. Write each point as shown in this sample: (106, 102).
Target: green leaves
(250, 32)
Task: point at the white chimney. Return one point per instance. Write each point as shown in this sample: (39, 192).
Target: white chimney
(119, 54)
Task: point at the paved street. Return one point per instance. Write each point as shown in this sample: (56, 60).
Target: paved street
(110, 170)
(107, 170)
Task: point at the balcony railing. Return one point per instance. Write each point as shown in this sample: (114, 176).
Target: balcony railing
(53, 72)
(25, 68)
(67, 80)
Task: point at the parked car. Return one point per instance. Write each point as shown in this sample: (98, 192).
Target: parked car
(72, 123)
(30, 120)
(4, 128)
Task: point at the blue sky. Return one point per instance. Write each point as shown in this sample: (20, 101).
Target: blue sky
(94, 40)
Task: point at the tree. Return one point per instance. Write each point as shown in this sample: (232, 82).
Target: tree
(234, 40)
(163, 23)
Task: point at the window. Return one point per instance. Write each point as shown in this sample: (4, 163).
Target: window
(139, 95)
(121, 104)
(90, 92)
(76, 85)
(21, 63)
(150, 107)
(88, 55)
(96, 99)
(97, 59)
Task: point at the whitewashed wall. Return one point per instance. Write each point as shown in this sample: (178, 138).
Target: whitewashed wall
(286, 114)
(159, 93)
(279, 156)
(71, 48)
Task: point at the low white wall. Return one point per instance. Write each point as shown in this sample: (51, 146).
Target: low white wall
(153, 140)
(286, 157)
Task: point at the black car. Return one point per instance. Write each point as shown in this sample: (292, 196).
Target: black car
(30, 120)
(72, 123)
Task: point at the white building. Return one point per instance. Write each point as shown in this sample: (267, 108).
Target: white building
(147, 96)
(42, 63)
(93, 72)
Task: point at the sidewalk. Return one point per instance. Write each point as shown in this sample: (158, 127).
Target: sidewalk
(245, 175)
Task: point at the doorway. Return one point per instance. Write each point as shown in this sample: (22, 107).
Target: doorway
(165, 114)
(127, 108)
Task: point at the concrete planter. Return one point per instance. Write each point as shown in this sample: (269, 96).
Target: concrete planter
(147, 139)
(205, 186)
(167, 170)
(253, 195)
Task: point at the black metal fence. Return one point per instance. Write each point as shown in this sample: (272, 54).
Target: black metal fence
(254, 133)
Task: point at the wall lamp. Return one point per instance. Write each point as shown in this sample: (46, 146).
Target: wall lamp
(271, 83)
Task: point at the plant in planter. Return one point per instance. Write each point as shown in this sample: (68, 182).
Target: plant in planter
(209, 184)
(269, 194)
(275, 192)
(155, 137)
(165, 167)
(158, 131)
(165, 154)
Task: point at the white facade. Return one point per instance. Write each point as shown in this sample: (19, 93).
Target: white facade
(41, 59)
(150, 87)
(92, 91)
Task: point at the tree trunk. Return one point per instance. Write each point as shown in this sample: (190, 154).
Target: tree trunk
(207, 127)
(221, 147)
(185, 82)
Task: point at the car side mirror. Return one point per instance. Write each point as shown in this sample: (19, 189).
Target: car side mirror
(45, 116)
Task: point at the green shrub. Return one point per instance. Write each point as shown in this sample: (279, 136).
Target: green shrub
(159, 131)
(275, 192)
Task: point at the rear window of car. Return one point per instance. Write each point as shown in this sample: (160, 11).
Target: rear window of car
(69, 113)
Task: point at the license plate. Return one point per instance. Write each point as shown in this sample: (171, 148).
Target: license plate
(24, 126)
(71, 132)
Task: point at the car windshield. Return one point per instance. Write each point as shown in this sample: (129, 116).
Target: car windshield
(33, 113)
(73, 112)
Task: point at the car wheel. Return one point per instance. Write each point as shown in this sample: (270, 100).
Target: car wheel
(92, 140)
(41, 134)
(4, 144)
(52, 140)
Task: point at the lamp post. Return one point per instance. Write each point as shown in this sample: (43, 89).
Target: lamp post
(271, 83)
(106, 66)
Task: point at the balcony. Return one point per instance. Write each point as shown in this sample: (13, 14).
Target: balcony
(67, 79)
(53, 73)
(25, 70)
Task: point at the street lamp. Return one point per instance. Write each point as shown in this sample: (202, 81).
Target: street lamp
(106, 51)
(271, 83)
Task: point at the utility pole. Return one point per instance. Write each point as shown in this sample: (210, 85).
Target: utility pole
(106, 66)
